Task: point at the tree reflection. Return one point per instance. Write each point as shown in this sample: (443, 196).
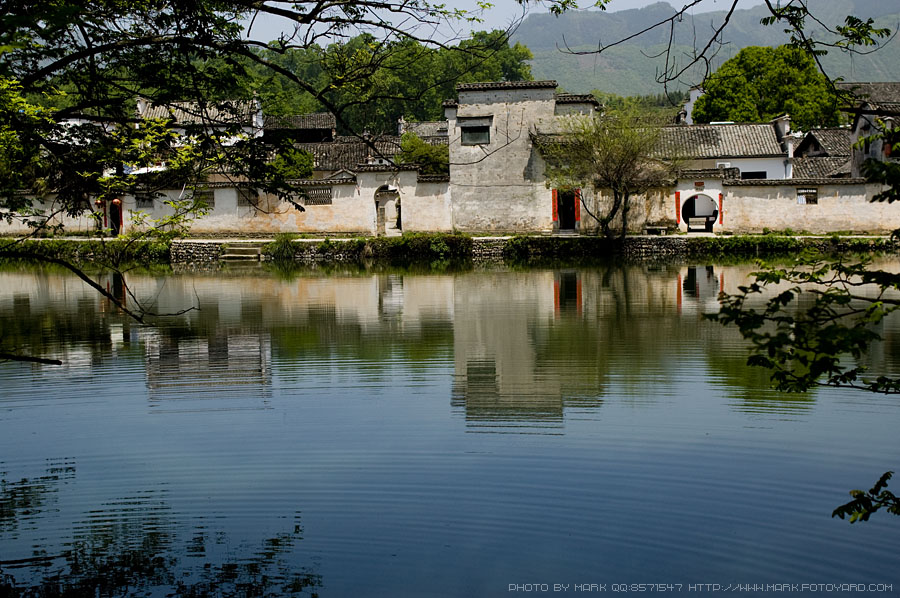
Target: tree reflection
(30, 496)
(131, 547)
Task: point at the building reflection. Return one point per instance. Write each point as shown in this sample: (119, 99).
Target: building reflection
(504, 380)
(523, 347)
(223, 365)
(699, 288)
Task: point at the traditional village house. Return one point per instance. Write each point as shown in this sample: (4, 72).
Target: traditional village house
(877, 109)
(734, 177)
(823, 153)
(496, 174)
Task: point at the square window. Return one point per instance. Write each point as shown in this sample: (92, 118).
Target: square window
(479, 135)
(144, 201)
(808, 197)
(207, 196)
(247, 198)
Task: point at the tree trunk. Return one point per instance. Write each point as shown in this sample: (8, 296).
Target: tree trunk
(626, 196)
(613, 210)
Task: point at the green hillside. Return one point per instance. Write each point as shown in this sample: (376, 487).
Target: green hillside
(632, 68)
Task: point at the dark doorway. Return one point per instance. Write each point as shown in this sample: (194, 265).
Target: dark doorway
(566, 208)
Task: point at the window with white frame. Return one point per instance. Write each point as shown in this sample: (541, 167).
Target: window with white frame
(807, 196)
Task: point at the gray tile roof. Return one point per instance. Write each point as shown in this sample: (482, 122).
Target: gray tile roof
(433, 178)
(719, 141)
(316, 120)
(834, 142)
(438, 128)
(821, 167)
(572, 98)
(877, 93)
(792, 182)
(506, 85)
(203, 113)
(349, 152)
(709, 173)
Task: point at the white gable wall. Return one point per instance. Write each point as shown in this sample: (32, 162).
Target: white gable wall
(499, 186)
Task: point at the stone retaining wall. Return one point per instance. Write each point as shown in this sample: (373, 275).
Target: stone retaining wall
(192, 251)
(656, 246)
(488, 249)
(337, 251)
(492, 249)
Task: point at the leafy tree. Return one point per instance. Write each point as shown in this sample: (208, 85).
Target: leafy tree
(613, 152)
(432, 159)
(70, 73)
(761, 83)
(410, 79)
(814, 330)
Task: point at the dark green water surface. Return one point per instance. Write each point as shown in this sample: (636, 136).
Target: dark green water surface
(473, 434)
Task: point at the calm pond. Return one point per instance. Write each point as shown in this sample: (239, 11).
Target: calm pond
(472, 434)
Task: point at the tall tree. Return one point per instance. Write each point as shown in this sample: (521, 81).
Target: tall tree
(614, 152)
(762, 83)
(70, 74)
(86, 62)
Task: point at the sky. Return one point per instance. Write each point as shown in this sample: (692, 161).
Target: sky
(504, 13)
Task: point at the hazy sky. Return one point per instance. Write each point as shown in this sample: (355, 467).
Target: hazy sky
(504, 13)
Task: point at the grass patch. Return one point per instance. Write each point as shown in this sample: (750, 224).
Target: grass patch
(101, 252)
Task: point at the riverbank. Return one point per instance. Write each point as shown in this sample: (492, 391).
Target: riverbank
(441, 248)
(519, 249)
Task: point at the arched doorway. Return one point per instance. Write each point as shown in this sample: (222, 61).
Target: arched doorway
(699, 212)
(387, 212)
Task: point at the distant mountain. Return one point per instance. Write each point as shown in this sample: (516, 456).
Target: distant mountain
(631, 68)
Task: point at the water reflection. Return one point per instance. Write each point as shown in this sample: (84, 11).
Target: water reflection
(24, 500)
(425, 425)
(224, 364)
(134, 546)
(523, 346)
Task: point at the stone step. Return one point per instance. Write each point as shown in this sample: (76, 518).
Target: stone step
(242, 252)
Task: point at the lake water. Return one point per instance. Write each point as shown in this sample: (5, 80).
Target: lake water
(394, 434)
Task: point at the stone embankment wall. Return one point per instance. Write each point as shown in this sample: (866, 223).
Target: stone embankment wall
(497, 249)
(195, 251)
(488, 249)
(339, 251)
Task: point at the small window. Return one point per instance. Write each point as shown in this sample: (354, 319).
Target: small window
(808, 197)
(207, 196)
(475, 130)
(753, 175)
(480, 135)
(144, 201)
(247, 198)
(317, 196)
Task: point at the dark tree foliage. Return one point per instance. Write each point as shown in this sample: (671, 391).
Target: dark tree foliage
(762, 83)
(71, 74)
(432, 159)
